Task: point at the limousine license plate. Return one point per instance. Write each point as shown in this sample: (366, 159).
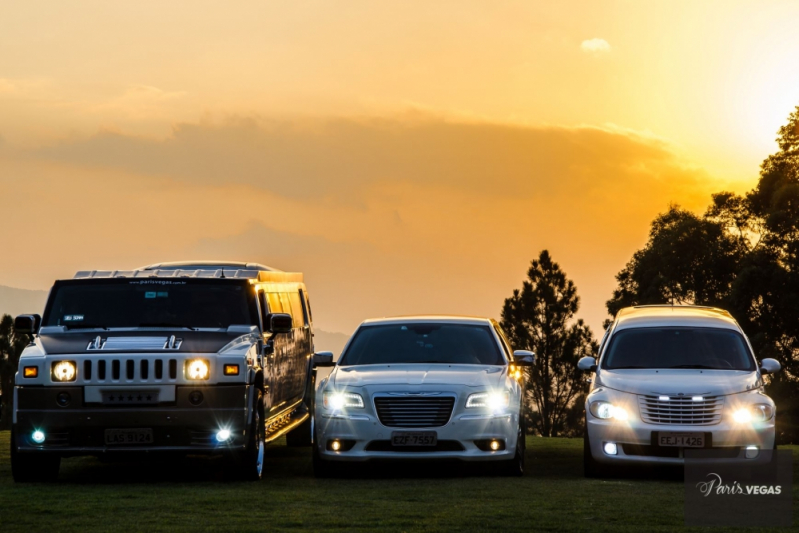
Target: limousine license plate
(683, 440)
(128, 436)
(414, 438)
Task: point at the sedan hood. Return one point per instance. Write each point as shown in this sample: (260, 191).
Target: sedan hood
(418, 374)
(679, 381)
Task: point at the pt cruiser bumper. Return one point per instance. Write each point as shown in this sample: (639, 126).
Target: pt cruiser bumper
(185, 425)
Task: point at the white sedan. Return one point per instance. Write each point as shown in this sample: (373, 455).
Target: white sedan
(423, 388)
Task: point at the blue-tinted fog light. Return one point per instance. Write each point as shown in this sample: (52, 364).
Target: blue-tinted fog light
(37, 437)
(610, 448)
(222, 435)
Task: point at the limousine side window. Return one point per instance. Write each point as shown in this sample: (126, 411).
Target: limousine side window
(297, 312)
(274, 302)
(264, 310)
(304, 303)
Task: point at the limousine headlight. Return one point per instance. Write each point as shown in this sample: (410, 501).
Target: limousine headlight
(64, 371)
(340, 400)
(496, 401)
(197, 369)
(755, 413)
(606, 410)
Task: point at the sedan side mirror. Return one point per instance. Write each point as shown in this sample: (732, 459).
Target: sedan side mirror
(587, 364)
(523, 358)
(322, 359)
(769, 366)
(280, 323)
(30, 324)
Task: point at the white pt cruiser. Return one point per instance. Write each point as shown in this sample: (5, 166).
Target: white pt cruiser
(423, 388)
(671, 378)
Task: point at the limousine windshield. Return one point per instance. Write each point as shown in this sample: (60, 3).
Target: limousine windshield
(678, 347)
(461, 344)
(138, 303)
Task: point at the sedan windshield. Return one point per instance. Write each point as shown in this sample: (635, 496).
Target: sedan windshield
(675, 347)
(191, 303)
(461, 344)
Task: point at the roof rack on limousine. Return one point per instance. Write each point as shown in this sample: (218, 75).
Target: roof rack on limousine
(198, 269)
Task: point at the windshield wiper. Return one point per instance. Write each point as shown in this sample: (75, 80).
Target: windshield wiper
(165, 325)
(84, 326)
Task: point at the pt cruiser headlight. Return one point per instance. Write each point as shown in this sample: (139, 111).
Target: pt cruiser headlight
(496, 401)
(606, 410)
(340, 400)
(197, 369)
(754, 413)
(65, 371)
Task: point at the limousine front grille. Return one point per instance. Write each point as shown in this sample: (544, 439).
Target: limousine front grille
(414, 411)
(681, 410)
(130, 371)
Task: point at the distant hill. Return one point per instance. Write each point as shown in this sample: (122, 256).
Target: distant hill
(20, 301)
(326, 341)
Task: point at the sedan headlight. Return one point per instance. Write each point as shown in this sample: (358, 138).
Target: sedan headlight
(755, 413)
(197, 369)
(64, 371)
(606, 410)
(340, 400)
(496, 401)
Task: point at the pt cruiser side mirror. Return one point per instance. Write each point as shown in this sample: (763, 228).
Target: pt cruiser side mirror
(27, 324)
(769, 366)
(321, 359)
(523, 358)
(280, 323)
(587, 363)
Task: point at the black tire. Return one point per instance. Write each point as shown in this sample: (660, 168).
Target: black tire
(591, 468)
(515, 467)
(248, 465)
(33, 467)
(302, 435)
(321, 467)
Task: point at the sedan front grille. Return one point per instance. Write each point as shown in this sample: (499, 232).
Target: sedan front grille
(414, 412)
(681, 410)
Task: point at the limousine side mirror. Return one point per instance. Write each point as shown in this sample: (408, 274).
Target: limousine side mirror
(587, 363)
(523, 358)
(321, 359)
(280, 323)
(769, 366)
(27, 324)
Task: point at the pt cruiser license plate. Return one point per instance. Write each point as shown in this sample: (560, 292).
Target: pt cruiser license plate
(414, 438)
(128, 436)
(683, 440)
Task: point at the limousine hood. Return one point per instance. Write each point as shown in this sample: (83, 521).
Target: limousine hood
(680, 381)
(418, 374)
(135, 341)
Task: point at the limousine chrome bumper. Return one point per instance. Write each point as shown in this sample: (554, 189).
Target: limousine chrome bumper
(466, 437)
(60, 420)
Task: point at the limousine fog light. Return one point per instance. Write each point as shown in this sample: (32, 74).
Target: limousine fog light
(63, 399)
(752, 452)
(222, 435)
(197, 369)
(37, 437)
(610, 448)
(196, 397)
(64, 371)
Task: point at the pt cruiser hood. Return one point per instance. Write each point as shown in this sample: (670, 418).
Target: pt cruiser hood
(418, 374)
(673, 382)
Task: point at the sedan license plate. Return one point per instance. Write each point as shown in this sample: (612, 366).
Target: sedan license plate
(682, 440)
(414, 438)
(128, 436)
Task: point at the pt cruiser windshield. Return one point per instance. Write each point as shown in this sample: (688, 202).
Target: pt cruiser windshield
(678, 347)
(127, 303)
(423, 343)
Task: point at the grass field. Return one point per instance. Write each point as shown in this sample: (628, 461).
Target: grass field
(190, 495)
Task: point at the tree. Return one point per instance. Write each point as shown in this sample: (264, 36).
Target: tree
(540, 317)
(11, 346)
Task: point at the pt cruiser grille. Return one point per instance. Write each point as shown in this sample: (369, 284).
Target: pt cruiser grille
(414, 412)
(681, 410)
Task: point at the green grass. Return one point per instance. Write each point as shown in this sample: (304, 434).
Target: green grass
(190, 495)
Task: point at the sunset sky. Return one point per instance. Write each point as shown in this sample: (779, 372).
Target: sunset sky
(408, 156)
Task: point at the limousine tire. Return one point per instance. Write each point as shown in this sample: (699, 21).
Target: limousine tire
(248, 465)
(33, 467)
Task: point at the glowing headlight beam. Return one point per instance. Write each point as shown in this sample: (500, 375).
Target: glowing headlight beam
(64, 371)
(197, 369)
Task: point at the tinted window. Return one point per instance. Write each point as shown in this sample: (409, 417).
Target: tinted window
(142, 303)
(721, 349)
(423, 343)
